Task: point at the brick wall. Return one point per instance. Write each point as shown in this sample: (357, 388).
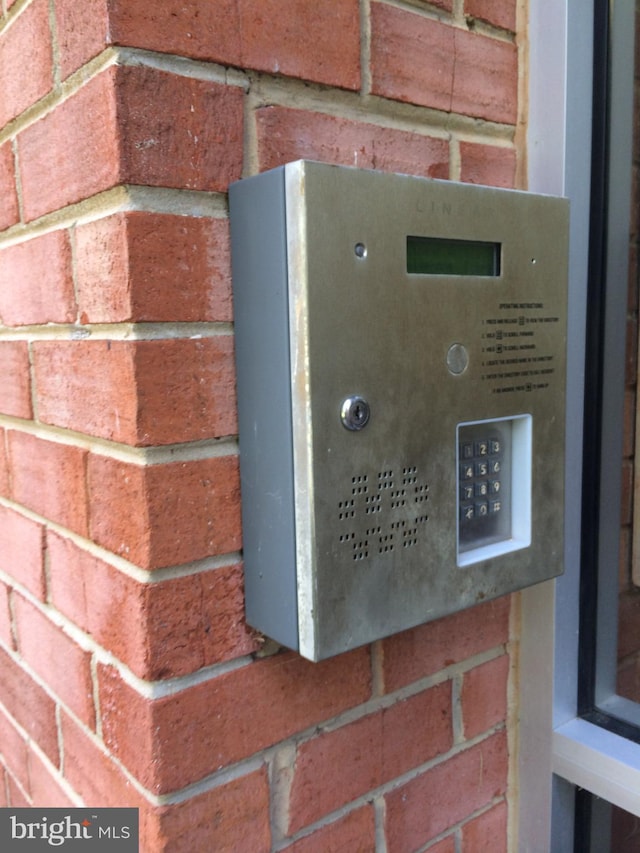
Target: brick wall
(127, 674)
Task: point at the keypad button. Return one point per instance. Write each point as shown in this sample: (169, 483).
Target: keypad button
(467, 512)
(481, 468)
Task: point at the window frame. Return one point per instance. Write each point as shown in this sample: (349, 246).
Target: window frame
(562, 744)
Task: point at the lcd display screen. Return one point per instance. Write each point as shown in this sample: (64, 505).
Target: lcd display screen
(439, 256)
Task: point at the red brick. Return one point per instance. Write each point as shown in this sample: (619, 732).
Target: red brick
(625, 563)
(487, 164)
(634, 217)
(628, 623)
(14, 750)
(632, 291)
(29, 706)
(484, 696)
(163, 515)
(355, 833)
(441, 797)
(429, 648)
(78, 143)
(91, 772)
(625, 832)
(159, 630)
(432, 64)
(5, 619)
(447, 845)
(15, 391)
(501, 13)
(196, 621)
(232, 817)
(294, 40)
(46, 785)
(411, 57)
(117, 128)
(298, 42)
(29, 38)
(22, 550)
(221, 630)
(369, 753)
(103, 270)
(179, 268)
(201, 29)
(98, 599)
(485, 78)
(4, 465)
(57, 659)
(9, 212)
(17, 796)
(317, 789)
(178, 739)
(186, 390)
(627, 682)
(153, 267)
(49, 478)
(629, 423)
(88, 386)
(626, 509)
(631, 353)
(487, 833)
(37, 783)
(199, 148)
(286, 134)
(36, 284)
(82, 31)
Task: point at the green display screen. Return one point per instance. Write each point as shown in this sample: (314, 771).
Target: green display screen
(439, 256)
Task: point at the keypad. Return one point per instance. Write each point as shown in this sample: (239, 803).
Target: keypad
(481, 467)
(493, 484)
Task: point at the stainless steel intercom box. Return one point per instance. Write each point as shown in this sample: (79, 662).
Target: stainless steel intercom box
(400, 347)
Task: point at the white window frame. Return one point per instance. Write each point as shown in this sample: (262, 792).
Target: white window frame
(556, 748)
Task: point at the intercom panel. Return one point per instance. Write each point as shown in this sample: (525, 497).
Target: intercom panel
(400, 347)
